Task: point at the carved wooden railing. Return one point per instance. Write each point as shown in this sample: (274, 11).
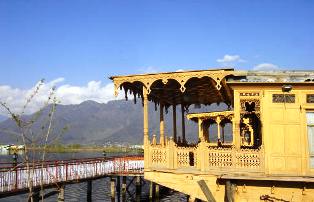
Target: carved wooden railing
(239, 159)
(249, 158)
(219, 157)
(158, 156)
(204, 157)
(185, 157)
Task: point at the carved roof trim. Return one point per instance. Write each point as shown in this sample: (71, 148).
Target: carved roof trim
(166, 73)
(181, 77)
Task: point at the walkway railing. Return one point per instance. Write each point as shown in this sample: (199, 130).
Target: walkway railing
(53, 172)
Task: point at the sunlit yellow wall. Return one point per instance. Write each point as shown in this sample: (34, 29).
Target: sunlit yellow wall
(284, 132)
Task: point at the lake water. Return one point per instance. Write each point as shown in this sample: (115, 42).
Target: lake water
(100, 187)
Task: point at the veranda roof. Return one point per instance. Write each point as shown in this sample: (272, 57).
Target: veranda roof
(186, 87)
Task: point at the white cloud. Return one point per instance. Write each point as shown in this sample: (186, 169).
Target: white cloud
(15, 98)
(180, 70)
(230, 59)
(266, 67)
(148, 70)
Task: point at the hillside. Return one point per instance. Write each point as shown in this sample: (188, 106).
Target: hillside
(97, 123)
(2, 118)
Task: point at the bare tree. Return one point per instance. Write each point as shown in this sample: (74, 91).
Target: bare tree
(31, 138)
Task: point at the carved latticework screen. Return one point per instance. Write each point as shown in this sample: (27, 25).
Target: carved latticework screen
(186, 157)
(219, 157)
(159, 156)
(248, 158)
(233, 158)
(250, 114)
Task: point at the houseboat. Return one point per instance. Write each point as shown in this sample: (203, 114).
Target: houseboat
(269, 155)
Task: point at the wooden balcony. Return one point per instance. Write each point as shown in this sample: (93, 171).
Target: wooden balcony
(204, 157)
(217, 157)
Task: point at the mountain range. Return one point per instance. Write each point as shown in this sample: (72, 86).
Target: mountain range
(92, 123)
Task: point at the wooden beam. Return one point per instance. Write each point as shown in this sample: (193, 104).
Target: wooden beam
(208, 194)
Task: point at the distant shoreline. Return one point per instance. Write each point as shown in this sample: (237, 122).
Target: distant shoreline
(70, 148)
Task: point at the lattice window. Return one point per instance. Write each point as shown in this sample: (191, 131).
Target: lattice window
(283, 98)
(310, 98)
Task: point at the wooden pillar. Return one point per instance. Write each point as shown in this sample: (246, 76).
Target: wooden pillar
(218, 127)
(138, 188)
(200, 130)
(162, 125)
(174, 121)
(61, 193)
(118, 190)
(183, 124)
(112, 186)
(151, 191)
(223, 133)
(123, 188)
(157, 193)
(206, 131)
(145, 114)
(236, 120)
(89, 191)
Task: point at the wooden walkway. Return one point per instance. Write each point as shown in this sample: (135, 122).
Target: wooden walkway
(50, 173)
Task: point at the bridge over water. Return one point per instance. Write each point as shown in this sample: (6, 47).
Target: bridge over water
(15, 179)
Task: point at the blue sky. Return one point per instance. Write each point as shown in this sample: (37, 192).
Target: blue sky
(83, 41)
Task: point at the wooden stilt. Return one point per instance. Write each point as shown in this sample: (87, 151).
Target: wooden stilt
(157, 192)
(229, 195)
(123, 188)
(61, 193)
(89, 191)
(151, 191)
(112, 186)
(138, 188)
(118, 190)
(34, 196)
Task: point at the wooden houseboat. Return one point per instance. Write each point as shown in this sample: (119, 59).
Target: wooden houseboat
(270, 155)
